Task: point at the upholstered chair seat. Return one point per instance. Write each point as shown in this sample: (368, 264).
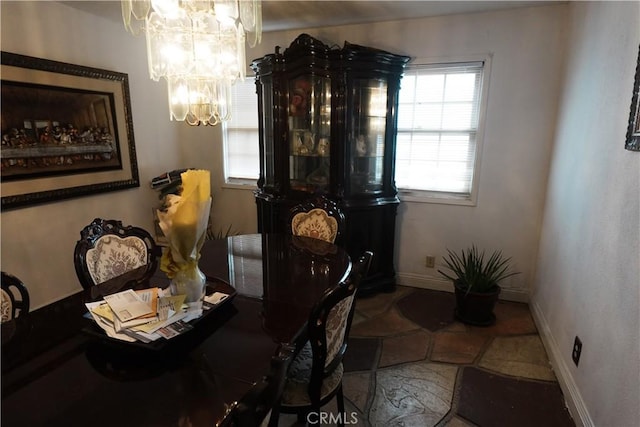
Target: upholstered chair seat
(296, 389)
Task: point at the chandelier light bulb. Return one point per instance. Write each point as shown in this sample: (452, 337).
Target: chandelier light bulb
(165, 8)
(198, 47)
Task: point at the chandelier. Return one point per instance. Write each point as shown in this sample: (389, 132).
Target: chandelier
(199, 48)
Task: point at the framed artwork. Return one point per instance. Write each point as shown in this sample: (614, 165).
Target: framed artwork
(633, 130)
(66, 131)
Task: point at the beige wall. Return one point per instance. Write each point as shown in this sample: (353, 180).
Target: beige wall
(521, 111)
(526, 51)
(37, 242)
(590, 229)
(588, 280)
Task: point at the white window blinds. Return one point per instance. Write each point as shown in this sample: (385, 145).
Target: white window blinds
(437, 125)
(241, 148)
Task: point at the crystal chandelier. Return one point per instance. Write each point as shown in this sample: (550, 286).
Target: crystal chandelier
(199, 48)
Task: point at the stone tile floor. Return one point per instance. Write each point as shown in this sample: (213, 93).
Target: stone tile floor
(410, 363)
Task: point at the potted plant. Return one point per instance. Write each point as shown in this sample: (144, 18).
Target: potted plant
(476, 283)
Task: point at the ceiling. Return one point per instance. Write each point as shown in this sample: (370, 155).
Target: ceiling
(298, 14)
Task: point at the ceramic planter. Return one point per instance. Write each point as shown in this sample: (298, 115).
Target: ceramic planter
(475, 308)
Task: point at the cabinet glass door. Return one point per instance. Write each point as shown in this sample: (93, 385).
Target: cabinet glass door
(268, 159)
(309, 127)
(367, 135)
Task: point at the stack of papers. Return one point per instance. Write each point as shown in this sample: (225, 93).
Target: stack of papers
(146, 315)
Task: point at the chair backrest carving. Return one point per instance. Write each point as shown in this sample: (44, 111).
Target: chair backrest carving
(330, 322)
(108, 249)
(14, 297)
(319, 218)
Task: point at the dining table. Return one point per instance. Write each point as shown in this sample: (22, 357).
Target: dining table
(60, 369)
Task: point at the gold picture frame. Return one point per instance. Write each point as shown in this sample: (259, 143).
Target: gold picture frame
(67, 131)
(632, 141)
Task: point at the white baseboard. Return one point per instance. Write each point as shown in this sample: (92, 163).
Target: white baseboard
(436, 284)
(572, 396)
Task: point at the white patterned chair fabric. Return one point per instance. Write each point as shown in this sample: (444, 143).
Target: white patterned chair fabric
(319, 218)
(315, 375)
(14, 297)
(107, 249)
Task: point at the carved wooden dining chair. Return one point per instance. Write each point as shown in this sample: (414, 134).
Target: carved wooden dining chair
(320, 218)
(14, 297)
(315, 375)
(108, 249)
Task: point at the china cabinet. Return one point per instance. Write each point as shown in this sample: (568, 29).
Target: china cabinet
(328, 126)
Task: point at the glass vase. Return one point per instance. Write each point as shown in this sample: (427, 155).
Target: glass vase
(189, 282)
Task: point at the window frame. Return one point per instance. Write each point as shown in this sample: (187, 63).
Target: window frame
(452, 198)
(235, 182)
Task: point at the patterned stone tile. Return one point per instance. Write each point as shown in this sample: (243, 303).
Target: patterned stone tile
(415, 394)
(431, 310)
(407, 348)
(457, 347)
(512, 318)
(352, 415)
(458, 422)
(456, 326)
(488, 399)
(521, 356)
(288, 420)
(389, 323)
(356, 386)
(420, 346)
(357, 318)
(361, 355)
(374, 305)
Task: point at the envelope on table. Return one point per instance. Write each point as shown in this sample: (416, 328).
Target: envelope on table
(127, 305)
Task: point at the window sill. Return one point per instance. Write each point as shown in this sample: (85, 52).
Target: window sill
(240, 184)
(417, 196)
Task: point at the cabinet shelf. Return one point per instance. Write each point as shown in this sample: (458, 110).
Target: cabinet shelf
(294, 156)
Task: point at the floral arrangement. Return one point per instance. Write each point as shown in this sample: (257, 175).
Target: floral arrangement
(184, 224)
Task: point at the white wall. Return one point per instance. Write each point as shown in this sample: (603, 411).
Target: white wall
(37, 242)
(587, 268)
(526, 49)
(588, 276)
(526, 46)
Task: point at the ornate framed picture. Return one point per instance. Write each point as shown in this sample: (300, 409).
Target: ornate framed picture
(66, 131)
(633, 130)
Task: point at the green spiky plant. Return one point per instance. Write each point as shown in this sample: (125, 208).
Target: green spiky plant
(470, 271)
(211, 234)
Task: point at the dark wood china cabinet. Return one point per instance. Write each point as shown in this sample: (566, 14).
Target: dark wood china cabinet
(328, 126)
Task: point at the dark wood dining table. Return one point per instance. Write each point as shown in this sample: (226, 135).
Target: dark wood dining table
(59, 370)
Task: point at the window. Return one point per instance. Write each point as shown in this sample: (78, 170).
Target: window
(240, 134)
(437, 141)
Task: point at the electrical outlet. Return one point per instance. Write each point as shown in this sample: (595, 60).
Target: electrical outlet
(430, 261)
(577, 350)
